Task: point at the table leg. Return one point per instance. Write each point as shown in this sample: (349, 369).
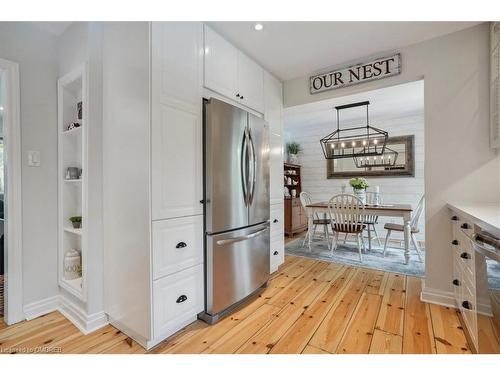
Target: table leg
(407, 235)
(310, 230)
(369, 238)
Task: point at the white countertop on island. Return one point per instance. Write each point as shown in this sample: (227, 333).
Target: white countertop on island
(485, 215)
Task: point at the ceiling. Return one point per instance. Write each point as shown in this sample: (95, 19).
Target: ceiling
(388, 102)
(295, 49)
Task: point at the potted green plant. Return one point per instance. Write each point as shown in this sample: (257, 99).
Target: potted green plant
(359, 186)
(292, 149)
(76, 221)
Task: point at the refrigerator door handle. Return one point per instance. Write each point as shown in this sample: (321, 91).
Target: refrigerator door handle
(253, 169)
(244, 167)
(242, 238)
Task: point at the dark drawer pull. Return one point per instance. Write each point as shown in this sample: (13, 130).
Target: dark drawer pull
(202, 201)
(456, 282)
(454, 218)
(467, 305)
(454, 242)
(275, 220)
(465, 226)
(180, 245)
(275, 253)
(181, 299)
(465, 256)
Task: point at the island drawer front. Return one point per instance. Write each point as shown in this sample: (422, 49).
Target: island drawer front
(177, 245)
(469, 315)
(466, 255)
(177, 299)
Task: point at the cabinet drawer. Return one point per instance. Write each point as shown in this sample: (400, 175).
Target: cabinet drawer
(469, 314)
(177, 245)
(177, 299)
(277, 251)
(277, 219)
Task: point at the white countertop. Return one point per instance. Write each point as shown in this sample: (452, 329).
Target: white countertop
(485, 215)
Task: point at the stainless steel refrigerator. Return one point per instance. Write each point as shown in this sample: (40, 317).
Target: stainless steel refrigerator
(236, 200)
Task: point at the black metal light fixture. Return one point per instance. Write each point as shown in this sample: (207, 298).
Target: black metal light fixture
(359, 141)
(387, 159)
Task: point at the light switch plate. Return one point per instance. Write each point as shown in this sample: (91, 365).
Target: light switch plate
(34, 158)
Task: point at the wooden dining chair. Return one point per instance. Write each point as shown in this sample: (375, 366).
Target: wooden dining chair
(390, 227)
(347, 214)
(305, 200)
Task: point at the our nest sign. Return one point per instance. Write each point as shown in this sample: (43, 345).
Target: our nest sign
(359, 73)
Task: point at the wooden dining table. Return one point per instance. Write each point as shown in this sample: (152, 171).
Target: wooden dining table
(392, 210)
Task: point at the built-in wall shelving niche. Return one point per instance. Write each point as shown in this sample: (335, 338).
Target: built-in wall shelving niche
(72, 181)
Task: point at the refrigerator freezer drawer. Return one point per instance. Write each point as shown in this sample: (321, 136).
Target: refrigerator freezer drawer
(237, 265)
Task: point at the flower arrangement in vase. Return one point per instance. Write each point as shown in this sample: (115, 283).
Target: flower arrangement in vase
(359, 186)
(293, 148)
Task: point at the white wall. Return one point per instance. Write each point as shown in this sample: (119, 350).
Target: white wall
(459, 165)
(36, 53)
(393, 190)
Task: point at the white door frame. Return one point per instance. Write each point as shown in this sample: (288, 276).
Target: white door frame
(13, 204)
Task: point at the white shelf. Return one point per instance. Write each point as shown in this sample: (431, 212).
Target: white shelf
(72, 194)
(73, 131)
(77, 231)
(73, 286)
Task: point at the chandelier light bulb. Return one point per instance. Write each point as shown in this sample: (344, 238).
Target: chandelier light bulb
(364, 143)
(353, 144)
(342, 145)
(375, 141)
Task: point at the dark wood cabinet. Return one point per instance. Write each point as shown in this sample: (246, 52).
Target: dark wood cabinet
(295, 216)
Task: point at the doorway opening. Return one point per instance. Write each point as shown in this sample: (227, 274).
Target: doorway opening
(393, 229)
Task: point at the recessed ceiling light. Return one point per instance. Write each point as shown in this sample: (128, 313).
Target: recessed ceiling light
(258, 26)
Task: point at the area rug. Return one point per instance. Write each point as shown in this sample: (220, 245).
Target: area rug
(348, 254)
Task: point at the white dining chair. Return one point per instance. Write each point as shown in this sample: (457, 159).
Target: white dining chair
(371, 221)
(305, 200)
(347, 214)
(390, 227)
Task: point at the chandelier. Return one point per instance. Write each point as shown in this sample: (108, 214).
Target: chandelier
(359, 141)
(387, 159)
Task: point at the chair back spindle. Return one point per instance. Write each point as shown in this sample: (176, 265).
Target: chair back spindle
(347, 213)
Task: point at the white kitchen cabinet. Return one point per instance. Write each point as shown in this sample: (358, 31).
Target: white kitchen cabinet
(177, 245)
(231, 73)
(152, 188)
(221, 61)
(176, 155)
(274, 116)
(177, 298)
(250, 83)
(277, 249)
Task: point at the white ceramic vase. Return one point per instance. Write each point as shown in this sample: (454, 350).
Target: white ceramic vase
(293, 159)
(361, 194)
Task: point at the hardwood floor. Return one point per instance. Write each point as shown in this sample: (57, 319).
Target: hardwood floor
(309, 307)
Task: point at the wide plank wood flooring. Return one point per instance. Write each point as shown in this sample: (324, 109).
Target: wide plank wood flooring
(309, 307)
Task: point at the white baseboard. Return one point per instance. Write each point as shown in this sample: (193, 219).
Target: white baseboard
(439, 297)
(85, 323)
(42, 307)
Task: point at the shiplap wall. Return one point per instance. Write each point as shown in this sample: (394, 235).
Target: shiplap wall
(392, 190)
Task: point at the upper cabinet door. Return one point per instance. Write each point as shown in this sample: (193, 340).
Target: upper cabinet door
(176, 86)
(221, 60)
(250, 86)
(273, 92)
